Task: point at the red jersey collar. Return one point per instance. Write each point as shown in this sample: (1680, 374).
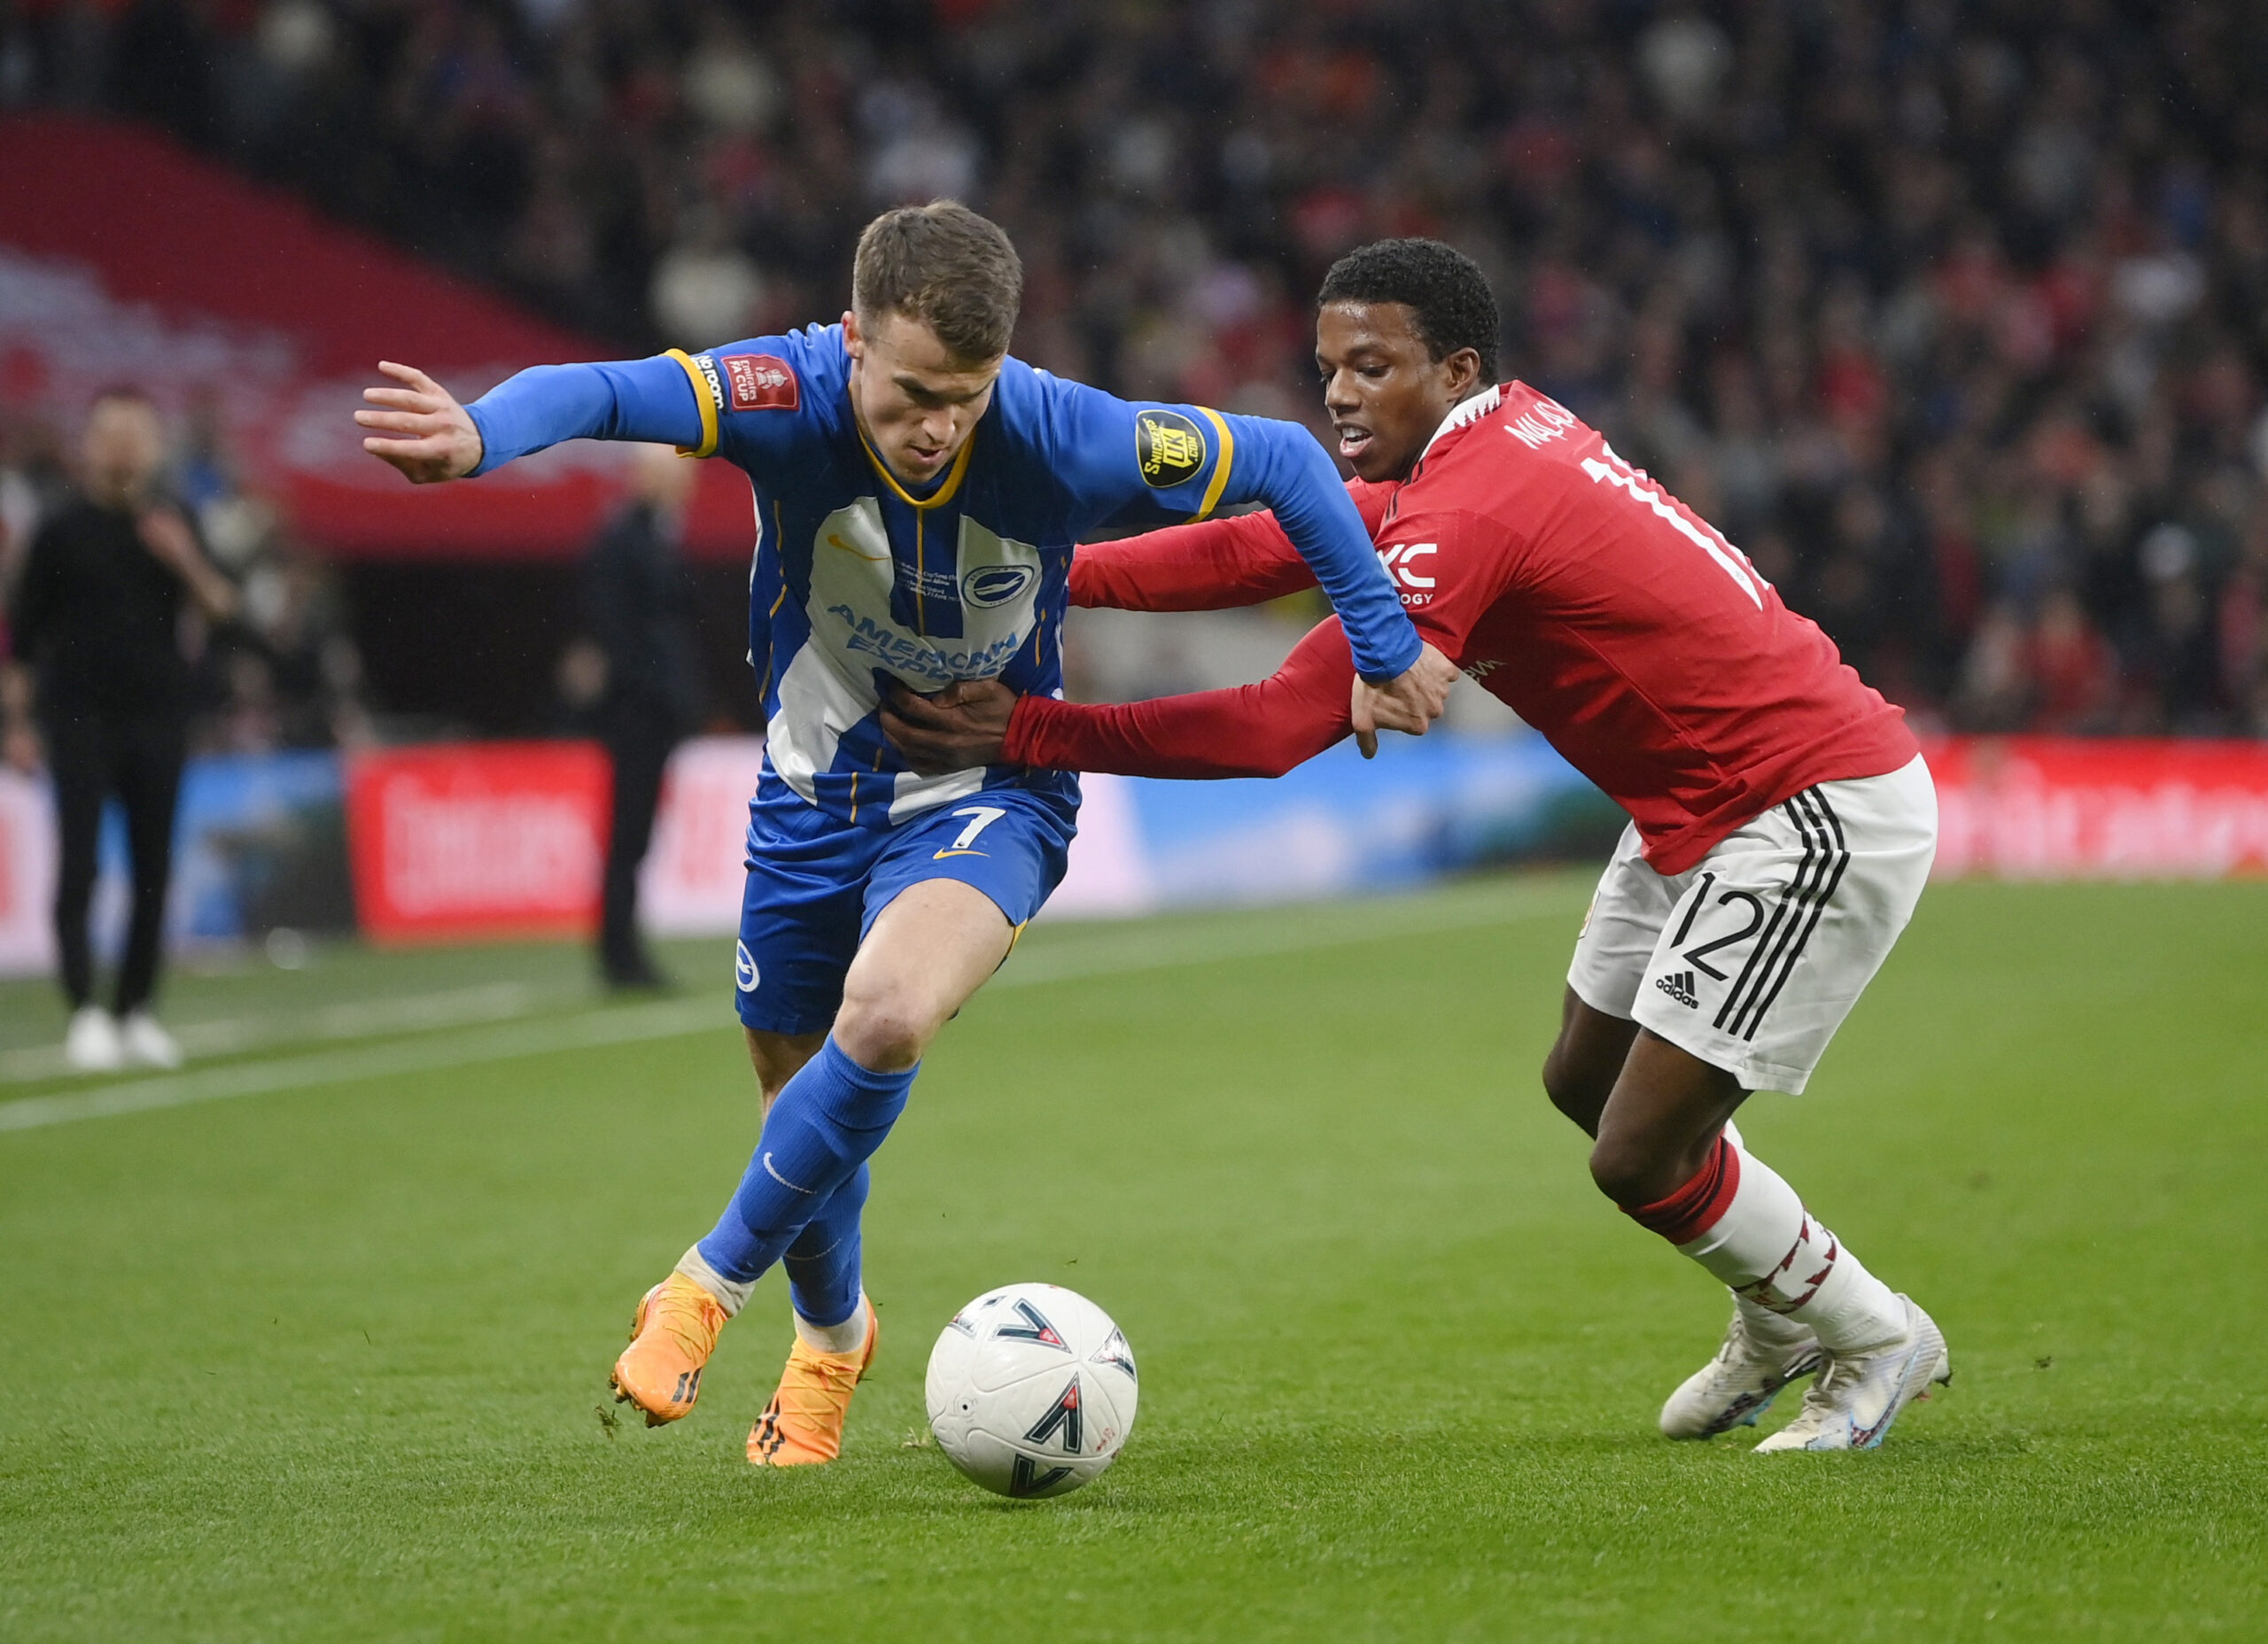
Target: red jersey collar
(1466, 412)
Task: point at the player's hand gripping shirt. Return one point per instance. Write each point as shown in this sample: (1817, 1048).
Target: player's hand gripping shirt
(1570, 584)
(857, 580)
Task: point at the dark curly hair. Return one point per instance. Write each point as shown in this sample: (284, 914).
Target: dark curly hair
(1450, 303)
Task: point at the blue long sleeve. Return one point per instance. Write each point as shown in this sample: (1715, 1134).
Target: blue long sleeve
(1137, 462)
(1281, 465)
(642, 400)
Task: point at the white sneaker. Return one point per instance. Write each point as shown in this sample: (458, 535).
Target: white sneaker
(92, 1045)
(147, 1042)
(1858, 1395)
(1738, 1385)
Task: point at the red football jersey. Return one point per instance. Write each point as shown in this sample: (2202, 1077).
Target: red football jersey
(1608, 615)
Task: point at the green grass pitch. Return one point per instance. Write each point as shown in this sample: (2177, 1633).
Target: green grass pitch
(324, 1361)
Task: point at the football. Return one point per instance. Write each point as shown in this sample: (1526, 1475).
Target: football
(1031, 1390)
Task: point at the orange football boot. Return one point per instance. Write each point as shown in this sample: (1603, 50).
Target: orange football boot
(803, 1425)
(671, 1336)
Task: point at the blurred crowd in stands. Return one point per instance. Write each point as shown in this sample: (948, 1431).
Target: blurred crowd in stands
(1954, 316)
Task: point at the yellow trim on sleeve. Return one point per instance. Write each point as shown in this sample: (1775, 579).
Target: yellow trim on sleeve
(1220, 468)
(704, 398)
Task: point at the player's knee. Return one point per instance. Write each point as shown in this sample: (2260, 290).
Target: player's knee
(885, 1030)
(1576, 1090)
(1628, 1171)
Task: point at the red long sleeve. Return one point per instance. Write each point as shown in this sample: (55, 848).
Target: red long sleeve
(1253, 730)
(1209, 566)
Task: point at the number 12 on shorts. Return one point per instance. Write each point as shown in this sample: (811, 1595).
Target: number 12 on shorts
(984, 816)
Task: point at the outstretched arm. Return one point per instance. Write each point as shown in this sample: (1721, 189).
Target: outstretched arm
(1250, 730)
(1254, 730)
(1214, 565)
(1399, 683)
(421, 430)
(1126, 462)
(1281, 465)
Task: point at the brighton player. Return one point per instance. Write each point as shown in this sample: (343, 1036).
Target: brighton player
(1783, 821)
(917, 497)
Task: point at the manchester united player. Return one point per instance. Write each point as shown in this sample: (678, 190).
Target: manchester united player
(1783, 821)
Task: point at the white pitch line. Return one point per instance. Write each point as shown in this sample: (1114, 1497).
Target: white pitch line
(663, 1020)
(671, 1018)
(356, 1018)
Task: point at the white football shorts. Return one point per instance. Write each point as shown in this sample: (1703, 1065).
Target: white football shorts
(1750, 958)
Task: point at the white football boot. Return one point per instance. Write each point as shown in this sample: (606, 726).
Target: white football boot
(92, 1045)
(1758, 1359)
(147, 1043)
(1857, 1395)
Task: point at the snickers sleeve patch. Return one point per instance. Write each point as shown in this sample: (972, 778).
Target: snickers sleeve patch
(759, 382)
(1173, 448)
(1169, 447)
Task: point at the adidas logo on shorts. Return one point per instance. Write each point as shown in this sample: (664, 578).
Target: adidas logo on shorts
(1679, 985)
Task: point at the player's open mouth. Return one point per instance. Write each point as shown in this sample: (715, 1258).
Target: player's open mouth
(1353, 440)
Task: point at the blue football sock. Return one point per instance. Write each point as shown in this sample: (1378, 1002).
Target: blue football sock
(823, 1262)
(826, 1122)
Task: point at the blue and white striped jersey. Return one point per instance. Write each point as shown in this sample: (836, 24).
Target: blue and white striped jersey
(857, 580)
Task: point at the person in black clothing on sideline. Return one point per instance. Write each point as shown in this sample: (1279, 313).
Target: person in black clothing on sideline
(637, 601)
(96, 617)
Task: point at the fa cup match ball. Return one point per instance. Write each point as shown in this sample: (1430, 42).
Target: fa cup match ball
(1031, 1390)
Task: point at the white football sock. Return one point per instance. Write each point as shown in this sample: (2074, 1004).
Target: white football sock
(1777, 1259)
(1762, 1323)
(1766, 1326)
(730, 1295)
(1850, 1309)
(847, 1336)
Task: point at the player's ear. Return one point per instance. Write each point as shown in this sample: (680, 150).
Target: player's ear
(852, 340)
(1464, 368)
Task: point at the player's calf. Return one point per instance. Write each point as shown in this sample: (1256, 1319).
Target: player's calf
(1740, 1222)
(1662, 1124)
(1738, 1219)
